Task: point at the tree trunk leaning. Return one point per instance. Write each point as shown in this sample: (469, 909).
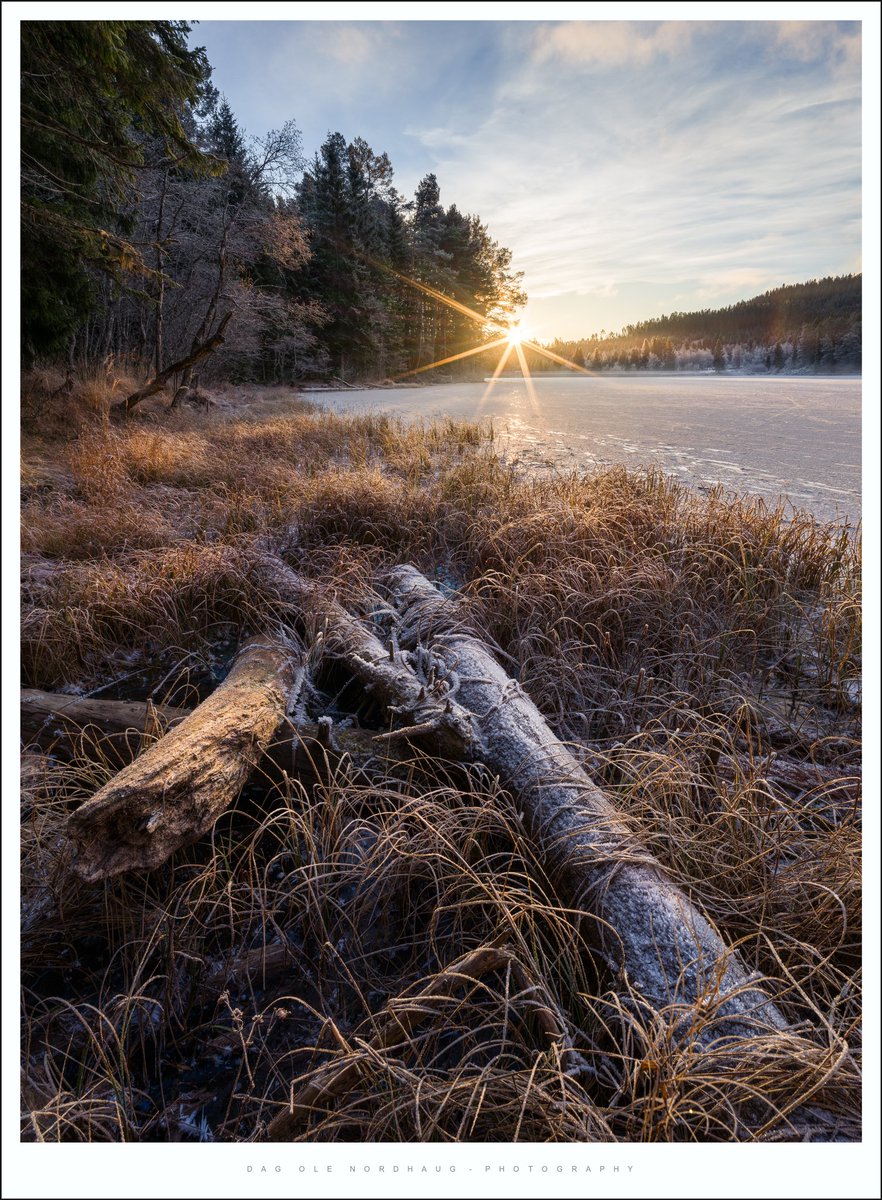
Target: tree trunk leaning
(306, 750)
(42, 713)
(197, 354)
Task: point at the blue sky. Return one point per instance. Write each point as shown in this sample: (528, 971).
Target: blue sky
(633, 168)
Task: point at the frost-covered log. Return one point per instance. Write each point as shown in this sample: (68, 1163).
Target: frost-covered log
(81, 726)
(175, 791)
(666, 949)
(421, 708)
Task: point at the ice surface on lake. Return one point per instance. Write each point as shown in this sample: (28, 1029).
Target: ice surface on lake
(795, 436)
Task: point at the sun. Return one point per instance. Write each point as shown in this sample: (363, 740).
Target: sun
(515, 338)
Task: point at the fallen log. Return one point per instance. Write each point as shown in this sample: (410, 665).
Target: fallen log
(422, 706)
(669, 960)
(175, 791)
(257, 967)
(792, 774)
(45, 714)
(666, 949)
(303, 749)
(461, 698)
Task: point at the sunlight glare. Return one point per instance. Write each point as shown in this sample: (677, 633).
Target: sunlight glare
(512, 337)
(528, 378)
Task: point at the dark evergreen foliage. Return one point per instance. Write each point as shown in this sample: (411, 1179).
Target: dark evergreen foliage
(382, 267)
(93, 94)
(148, 213)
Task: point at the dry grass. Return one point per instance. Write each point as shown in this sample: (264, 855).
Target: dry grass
(685, 646)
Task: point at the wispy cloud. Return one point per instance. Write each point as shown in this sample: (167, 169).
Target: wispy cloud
(717, 164)
(351, 45)
(809, 41)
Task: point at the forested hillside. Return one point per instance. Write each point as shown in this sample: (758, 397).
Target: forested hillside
(813, 326)
(154, 226)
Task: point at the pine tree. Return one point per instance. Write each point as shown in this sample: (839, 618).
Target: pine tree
(375, 257)
(224, 136)
(333, 276)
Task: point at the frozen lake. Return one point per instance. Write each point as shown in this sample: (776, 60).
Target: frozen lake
(773, 435)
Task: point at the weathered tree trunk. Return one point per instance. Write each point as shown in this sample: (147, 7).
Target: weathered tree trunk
(179, 786)
(260, 967)
(160, 277)
(383, 670)
(113, 731)
(667, 950)
(665, 947)
(197, 354)
(49, 711)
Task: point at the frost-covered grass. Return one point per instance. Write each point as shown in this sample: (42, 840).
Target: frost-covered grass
(700, 654)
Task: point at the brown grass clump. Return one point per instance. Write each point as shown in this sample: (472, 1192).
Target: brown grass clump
(700, 654)
(55, 403)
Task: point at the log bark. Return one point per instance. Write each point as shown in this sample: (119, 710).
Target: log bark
(457, 694)
(57, 721)
(161, 378)
(665, 947)
(175, 791)
(47, 715)
(114, 732)
(792, 774)
(257, 968)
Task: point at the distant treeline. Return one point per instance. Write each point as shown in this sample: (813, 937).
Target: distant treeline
(152, 226)
(813, 326)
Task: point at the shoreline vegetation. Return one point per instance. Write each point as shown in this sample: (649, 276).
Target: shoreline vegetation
(619, 373)
(374, 788)
(439, 379)
(373, 939)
